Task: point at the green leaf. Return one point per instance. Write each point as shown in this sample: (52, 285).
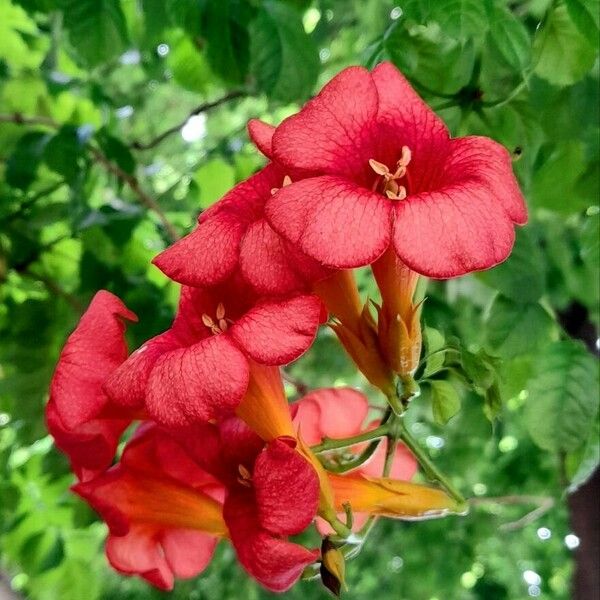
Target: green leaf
(22, 165)
(62, 154)
(461, 19)
(434, 344)
(514, 328)
(553, 184)
(186, 14)
(585, 15)
(509, 36)
(96, 29)
(582, 464)
(522, 277)
(563, 399)
(214, 178)
(284, 60)
(445, 401)
(54, 556)
(189, 66)
(116, 151)
(562, 55)
(480, 369)
(227, 40)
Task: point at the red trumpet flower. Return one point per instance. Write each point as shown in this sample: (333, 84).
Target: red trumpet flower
(380, 168)
(85, 424)
(164, 513)
(272, 493)
(234, 236)
(202, 366)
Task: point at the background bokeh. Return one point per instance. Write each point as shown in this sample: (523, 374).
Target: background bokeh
(120, 120)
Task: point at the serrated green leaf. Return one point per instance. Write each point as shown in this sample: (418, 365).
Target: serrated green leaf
(284, 59)
(522, 276)
(561, 54)
(510, 37)
(562, 404)
(445, 401)
(514, 329)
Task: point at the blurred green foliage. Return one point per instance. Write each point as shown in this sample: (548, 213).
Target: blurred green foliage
(89, 186)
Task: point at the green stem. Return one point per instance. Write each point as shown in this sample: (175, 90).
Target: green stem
(367, 436)
(362, 458)
(431, 471)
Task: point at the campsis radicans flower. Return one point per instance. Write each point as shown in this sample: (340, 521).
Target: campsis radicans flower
(164, 513)
(218, 347)
(233, 236)
(380, 170)
(84, 422)
(272, 492)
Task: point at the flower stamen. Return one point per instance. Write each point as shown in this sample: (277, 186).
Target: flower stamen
(391, 188)
(287, 180)
(245, 477)
(221, 324)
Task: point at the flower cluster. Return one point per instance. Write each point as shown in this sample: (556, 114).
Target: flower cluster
(365, 174)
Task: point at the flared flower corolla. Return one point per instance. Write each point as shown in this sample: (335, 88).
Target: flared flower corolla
(202, 366)
(381, 169)
(234, 236)
(164, 513)
(85, 424)
(272, 493)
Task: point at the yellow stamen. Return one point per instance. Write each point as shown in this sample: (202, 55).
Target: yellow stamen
(287, 180)
(220, 311)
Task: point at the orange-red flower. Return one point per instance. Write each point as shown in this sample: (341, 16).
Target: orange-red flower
(201, 367)
(379, 169)
(164, 512)
(84, 422)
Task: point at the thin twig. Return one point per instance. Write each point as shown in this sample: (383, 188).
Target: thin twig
(56, 290)
(301, 387)
(132, 182)
(544, 504)
(129, 180)
(137, 145)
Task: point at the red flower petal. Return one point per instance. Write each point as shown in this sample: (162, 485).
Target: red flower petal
(91, 447)
(463, 227)
(139, 553)
(333, 134)
(275, 333)
(187, 552)
(477, 159)
(206, 256)
(201, 382)
(261, 134)
(127, 385)
(405, 120)
(266, 263)
(277, 564)
(92, 352)
(332, 413)
(286, 488)
(333, 220)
